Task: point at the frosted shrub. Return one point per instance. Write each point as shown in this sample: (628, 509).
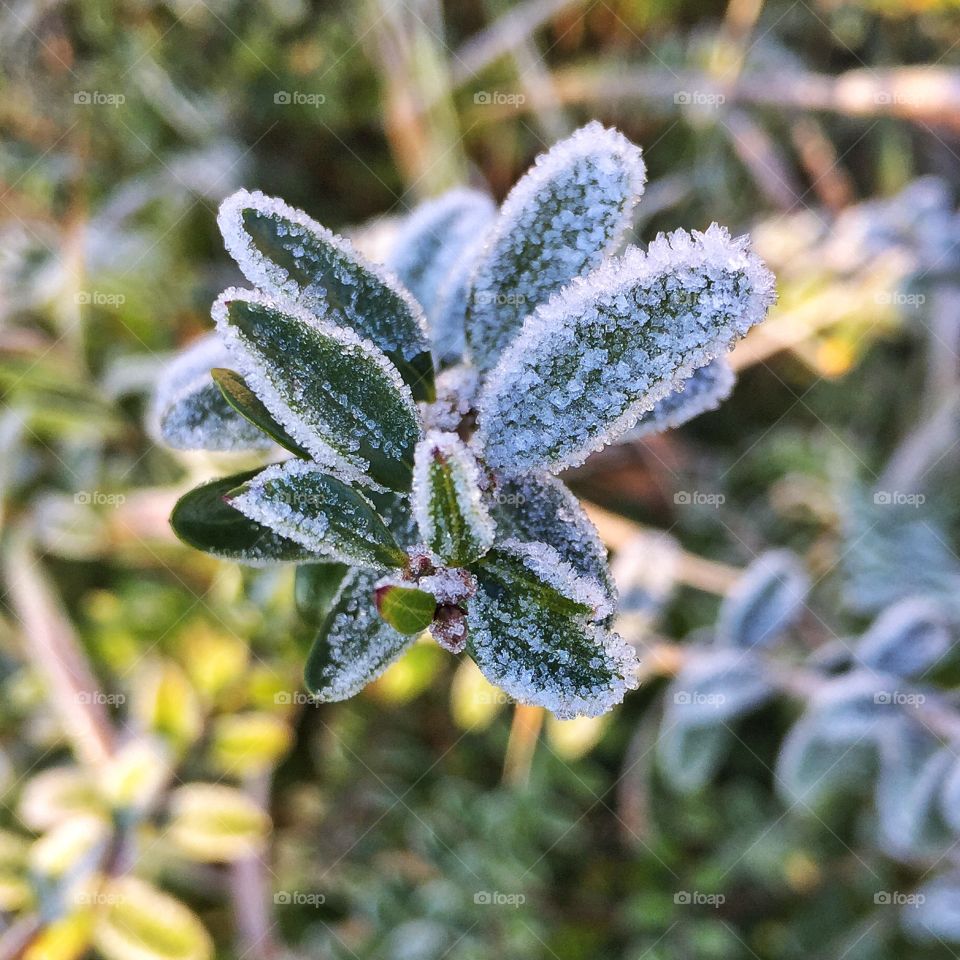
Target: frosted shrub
(425, 406)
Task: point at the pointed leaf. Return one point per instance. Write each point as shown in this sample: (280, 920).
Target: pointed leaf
(764, 602)
(453, 520)
(560, 220)
(330, 518)
(606, 349)
(705, 390)
(525, 640)
(336, 394)
(203, 519)
(407, 609)
(354, 645)
(448, 317)
(236, 392)
(433, 239)
(539, 507)
(315, 587)
(188, 412)
(285, 253)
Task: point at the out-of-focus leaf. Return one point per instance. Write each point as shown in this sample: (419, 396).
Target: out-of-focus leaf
(474, 701)
(57, 794)
(142, 923)
(71, 848)
(764, 602)
(907, 639)
(689, 757)
(248, 744)
(165, 703)
(573, 739)
(133, 778)
(931, 914)
(213, 823)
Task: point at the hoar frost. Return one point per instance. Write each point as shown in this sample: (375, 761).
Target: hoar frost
(430, 402)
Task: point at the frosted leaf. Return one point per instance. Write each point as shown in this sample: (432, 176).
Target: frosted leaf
(299, 501)
(188, 411)
(336, 394)
(932, 915)
(592, 360)
(568, 212)
(287, 254)
(548, 569)
(766, 600)
(431, 242)
(702, 392)
(689, 757)
(950, 799)
(907, 639)
(315, 587)
(913, 768)
(453, 520)
(448, 318)
(526, 639)
(203, 519)
(539, 508)
(354, 645)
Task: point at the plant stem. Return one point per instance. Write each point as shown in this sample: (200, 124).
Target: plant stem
(524, 731)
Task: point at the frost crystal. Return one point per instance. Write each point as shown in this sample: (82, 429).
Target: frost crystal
(433, 240)
(355, 645)
(337, 394)
(705, 390)
(606, 349)
(447, 503)
(299, 501)
(188, 411)
(560, 220)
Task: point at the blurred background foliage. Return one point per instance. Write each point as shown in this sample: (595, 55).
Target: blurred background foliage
(167, 791)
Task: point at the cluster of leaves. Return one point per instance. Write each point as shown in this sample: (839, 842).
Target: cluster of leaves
(434, 493)
(877, 712)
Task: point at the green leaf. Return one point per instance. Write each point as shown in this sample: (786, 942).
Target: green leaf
(216, 823)
(315, 587)
(327, 516)
(188, 410)
(604, 350)
(355, 645)
(236, 392)
(689, 756)
(559, 222)
(203, 519)
(539, 508)
(453, 519)
(525, 638)
(286, 253)
(407, 609)
(337, 395)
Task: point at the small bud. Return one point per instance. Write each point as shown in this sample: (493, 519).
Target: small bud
(449, 628)
(407, 609)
